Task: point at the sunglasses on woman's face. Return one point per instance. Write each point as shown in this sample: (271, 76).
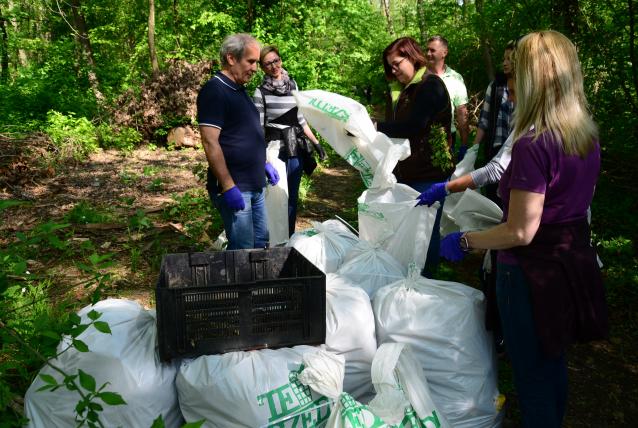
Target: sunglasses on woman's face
(271, 63)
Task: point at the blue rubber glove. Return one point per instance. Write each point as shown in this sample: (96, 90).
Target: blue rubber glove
(461, 154)
(233, 199)
(272, 174)
(436, 192)
(451, 247)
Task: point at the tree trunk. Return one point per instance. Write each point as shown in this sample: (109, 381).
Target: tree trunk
(386, 12)
(22, 55)
(4, 53)
(632, 46)
(82, 36)
(177, 25)
(485, 42)
(566, 17)
(420, 13)
(250, 12)
(151, 38)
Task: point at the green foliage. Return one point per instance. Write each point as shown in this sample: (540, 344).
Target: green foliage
(84, 213)
(441, 156)
(73, 137)
(126, 139)
(194, 211)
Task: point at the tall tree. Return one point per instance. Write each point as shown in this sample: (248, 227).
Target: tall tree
(4, 50)
(151, 37)
(632, 47)
(420, 13)
(484, 40)
(82, 36)
(388, 16)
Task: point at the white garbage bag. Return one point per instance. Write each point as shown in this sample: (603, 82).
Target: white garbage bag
(350, 332)
(325, 244)
(251, 389)
(443, 322)
(389, 217)
(371, 267)
(126, 359)
(403, 397)
(277, 198)
(462, 168)
(475, 212)
(334, 117)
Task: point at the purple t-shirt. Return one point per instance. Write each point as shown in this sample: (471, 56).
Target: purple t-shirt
(541, 166)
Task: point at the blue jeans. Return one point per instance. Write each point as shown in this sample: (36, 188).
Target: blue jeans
(294, 170)
(541, 382)
(247, 228)
(432, 257)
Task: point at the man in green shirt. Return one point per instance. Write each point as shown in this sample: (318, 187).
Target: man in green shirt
(437, 50)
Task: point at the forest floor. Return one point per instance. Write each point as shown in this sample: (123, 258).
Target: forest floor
(603, 377)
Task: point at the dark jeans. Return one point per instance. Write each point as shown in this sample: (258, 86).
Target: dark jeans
(541, 382)
(294, 170)
(432, 258)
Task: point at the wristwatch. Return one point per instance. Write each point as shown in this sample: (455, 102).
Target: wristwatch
(465, 245)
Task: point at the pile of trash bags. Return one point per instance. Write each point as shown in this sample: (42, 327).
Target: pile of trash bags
(401, 350)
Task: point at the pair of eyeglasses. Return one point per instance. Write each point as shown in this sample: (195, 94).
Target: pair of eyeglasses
(271, 63)
(395, 65)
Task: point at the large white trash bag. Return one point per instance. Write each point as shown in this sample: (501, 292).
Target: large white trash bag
(350, 332)
(325, 244)
(462, 168)
(334, 117)
(444, 323)
(371, 267)
(126, 359)
(250, 389)
(388, 215)
(277, 198)
(402, 400)
(475, 212)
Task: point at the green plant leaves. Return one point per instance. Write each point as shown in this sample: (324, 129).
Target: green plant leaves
(87, 381)
(111, 398)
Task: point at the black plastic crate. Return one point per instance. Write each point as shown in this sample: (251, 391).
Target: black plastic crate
(211, 303)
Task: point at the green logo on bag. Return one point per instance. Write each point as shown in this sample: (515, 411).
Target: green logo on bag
(332, 111)
(365, 210)
(359, 415)
(356, 159)
(292, 405)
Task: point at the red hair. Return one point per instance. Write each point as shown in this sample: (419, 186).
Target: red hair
(406, 47)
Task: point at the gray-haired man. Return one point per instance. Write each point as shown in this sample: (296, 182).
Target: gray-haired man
(233, 140)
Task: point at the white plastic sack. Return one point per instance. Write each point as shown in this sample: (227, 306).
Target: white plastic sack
(334, 116)
(350, 332)
(475, 212)
(443, 322)
(277, 198)
(402, 401)
(371, 267)
(388, 216)
(250, 389)
(126, 359)
(325, 244)
(462, 168)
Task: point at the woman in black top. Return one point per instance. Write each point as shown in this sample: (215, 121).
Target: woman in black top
(418, 109)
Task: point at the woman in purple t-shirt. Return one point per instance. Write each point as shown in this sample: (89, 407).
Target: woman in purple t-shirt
(549, 287)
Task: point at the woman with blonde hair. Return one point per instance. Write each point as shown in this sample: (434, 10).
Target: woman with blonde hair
(549, 286)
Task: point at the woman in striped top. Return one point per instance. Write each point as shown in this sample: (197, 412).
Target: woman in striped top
(282, 121)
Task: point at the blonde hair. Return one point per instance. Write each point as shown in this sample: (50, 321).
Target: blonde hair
(550, 94)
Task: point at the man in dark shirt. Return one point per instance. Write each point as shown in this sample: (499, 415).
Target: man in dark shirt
(233, 140)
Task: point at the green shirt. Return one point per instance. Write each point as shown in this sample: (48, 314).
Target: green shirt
(456, 89)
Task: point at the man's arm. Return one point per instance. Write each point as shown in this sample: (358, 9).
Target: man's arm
(215, 156)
